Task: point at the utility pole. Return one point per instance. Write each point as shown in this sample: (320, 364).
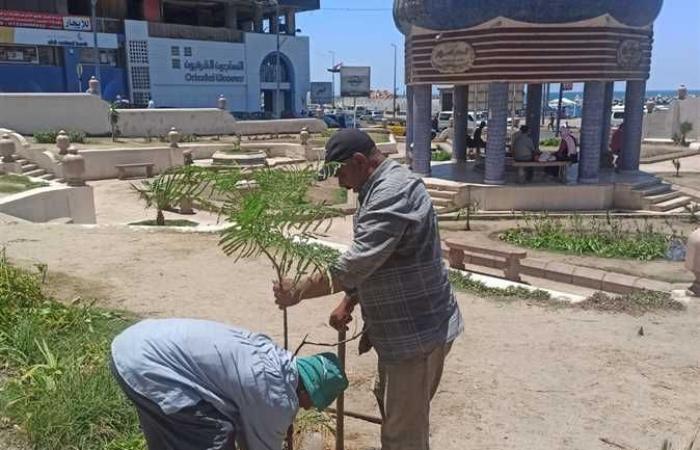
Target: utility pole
(278, 110)
(395, 62)
(333, 76)
(98, 71)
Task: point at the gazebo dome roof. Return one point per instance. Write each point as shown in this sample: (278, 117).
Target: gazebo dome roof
(460, 14)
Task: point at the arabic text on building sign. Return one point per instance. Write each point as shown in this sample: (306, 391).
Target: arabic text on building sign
(211, 71)
(26, 19)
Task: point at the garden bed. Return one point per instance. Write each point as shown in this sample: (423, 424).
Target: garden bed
(12, 184)
(607, 238)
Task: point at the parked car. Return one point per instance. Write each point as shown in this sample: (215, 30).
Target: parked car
(618, 116)
(445, 116)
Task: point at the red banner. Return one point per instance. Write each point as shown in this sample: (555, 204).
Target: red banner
(29, 19)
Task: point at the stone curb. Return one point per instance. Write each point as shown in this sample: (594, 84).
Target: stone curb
(613, 282)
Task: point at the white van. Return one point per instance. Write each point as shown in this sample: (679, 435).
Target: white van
(618, 116)
(445, 116)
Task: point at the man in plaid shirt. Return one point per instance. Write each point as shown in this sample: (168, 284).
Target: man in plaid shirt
(394, 269)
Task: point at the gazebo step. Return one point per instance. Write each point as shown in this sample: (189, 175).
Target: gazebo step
(648, 183)
(28, 167)
(669, 205)
(443, 202)
(660, 198)
(437, 193)
(656, 189)
(441, 185)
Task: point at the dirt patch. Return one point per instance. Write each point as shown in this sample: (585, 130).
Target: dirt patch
(635, 304)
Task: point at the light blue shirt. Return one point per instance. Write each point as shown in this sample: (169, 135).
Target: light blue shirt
(178, 363)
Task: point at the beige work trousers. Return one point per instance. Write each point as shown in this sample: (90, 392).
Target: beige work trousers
(404, 390)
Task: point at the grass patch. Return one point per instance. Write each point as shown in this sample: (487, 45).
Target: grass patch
(56, 385)
(440, 155)
(607, 238)
(49, 136)
(168, 223)
(11, 184)
(379, 138)
(464, 282)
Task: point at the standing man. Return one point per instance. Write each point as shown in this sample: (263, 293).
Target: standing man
(550, 125)
(394, 269)
(204, 385)
(478, 141)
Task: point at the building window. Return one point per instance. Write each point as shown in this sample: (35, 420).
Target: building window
(268, 72)
(19, 54)
(138, 52)
(108, 57)
(176, 63)
(188, 51)
(174, 51)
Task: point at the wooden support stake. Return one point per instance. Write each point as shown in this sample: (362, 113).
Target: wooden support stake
(340, 403)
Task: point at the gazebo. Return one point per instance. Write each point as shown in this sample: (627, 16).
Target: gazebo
(460, 42)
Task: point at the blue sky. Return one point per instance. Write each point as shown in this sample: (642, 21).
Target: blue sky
(361, 33)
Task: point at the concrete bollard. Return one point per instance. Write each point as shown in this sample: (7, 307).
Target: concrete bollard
(174, 138)
(62, 142)
(222, 103)
(692, 261)
(94, 86)
(73, 168)
(304, 136)
(7, 149)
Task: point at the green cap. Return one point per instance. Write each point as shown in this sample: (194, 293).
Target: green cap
(323, 378)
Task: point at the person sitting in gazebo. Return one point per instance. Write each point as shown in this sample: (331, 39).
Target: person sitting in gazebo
(616, 143)
(568, 150)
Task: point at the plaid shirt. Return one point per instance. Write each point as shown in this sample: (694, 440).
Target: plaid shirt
(395, 264)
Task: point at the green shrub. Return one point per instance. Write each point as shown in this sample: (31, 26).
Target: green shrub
(606, 238)
(11, 183)
(551, 142)
(397, 130)
(49, 136)
(440, 155)
(464, 282)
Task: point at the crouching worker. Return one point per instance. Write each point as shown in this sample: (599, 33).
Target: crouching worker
(200, 385)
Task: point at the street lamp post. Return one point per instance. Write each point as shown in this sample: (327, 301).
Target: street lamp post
(333, 77)
(98, 71)
(395, 52)
(278, 110)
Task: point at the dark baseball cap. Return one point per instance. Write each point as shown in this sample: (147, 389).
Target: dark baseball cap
(342, 146)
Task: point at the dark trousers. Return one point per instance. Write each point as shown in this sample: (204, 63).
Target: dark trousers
(200, 427)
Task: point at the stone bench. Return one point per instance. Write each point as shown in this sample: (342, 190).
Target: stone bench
(560, 165)
(121, 168)
(459, 254)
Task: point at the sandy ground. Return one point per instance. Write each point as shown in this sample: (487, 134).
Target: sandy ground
(521, 376)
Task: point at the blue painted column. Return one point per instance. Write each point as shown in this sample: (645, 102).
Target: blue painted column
(460, 115)
(605, 129)
(634, 120)
(422, 106)
(589, 155)
(495, 172)
(409, 125)
(533, 112)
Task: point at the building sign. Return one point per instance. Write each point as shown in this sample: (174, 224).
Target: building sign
(63, 38)
(213, 71)
(453, 57)
(355, 81)
(179, 62)
(28, 19)
(77, 23)
(321, 92)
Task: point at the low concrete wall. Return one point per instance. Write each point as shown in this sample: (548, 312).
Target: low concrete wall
(101, 164)
(664, 124)
(542, 198)
(158, 122)
(28, 113)
(284, 126)
(50, 203)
